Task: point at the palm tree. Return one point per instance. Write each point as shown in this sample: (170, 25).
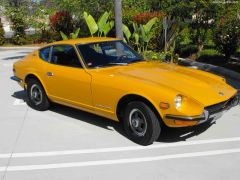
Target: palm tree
(118, 18)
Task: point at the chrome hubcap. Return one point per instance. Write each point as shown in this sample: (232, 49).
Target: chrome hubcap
(138, 123)
(36, 94)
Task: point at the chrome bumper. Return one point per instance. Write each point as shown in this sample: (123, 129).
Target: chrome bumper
(211, 113)
(15, 78)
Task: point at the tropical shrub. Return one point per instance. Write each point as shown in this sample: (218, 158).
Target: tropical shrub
(48, 36)
(138, 5)
(129, 14)
(18, 25)
(150, 55)
(73, 35)
(210, 56)
(77, 7)
(143, 18)
(227, 35)
(2, 39)
(168, 56)
(102, 27)
(237, 54)
(39, 20)
(209, 52)
(141, 36)
(209, 44)
(62, 21)
(184, 38)
(19, 40)
(186, 50)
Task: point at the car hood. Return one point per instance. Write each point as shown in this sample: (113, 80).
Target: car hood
(206, 88)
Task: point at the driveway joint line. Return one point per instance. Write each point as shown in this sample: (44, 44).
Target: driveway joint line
(15, 144)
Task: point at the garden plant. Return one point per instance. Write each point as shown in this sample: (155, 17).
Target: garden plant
(195, 29)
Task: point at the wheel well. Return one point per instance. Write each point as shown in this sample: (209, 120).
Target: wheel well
(30, 76)
(132, 97)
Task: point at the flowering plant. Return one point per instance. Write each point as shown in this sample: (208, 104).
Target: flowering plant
(144, 17)
(62, 21)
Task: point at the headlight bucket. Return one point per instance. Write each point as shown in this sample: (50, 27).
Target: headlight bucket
(178, 101)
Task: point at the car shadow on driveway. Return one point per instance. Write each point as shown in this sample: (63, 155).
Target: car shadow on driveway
(20, 95)
(78, 115)
(13, 58)
(87, 117)
(168, 135)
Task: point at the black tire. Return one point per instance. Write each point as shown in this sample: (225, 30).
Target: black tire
(147, 133)
(41, 103)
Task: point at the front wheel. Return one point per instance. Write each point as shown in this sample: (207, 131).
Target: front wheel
(36, 96)
(141, 123)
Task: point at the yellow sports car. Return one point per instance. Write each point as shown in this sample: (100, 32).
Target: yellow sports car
(106, 77)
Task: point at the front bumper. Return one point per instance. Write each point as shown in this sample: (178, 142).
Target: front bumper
(211, 113)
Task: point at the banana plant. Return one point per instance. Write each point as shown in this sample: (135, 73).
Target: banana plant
(107, 28)
(142, 34)
(127, 33)
(103, 26)
(91, 23)
(146, 31)
(73, 35)
(136, 36)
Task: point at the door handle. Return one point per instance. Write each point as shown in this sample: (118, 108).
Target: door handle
(49, 74)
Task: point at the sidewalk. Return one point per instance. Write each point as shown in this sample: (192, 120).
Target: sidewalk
(19, 47)
(232, 77)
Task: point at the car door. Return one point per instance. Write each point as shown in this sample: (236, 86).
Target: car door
(66, 79)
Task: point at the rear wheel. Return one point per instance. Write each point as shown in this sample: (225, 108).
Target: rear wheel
(141, 124)
(36, 96)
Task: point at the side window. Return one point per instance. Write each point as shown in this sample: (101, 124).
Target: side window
(44, 54)
(65, 55)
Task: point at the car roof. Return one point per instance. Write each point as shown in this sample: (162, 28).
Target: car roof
(84, 40)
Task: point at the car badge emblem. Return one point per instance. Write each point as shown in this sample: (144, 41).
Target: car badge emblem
(221, 93)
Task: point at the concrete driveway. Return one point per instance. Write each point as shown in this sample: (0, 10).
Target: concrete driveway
(64, 143)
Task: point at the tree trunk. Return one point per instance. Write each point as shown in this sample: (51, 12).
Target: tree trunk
(118, 18)
(227, 57)
(199, 40)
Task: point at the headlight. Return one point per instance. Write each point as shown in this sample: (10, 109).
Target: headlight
(178, 101)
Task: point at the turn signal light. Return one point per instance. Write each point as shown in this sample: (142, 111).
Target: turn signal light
(164, 105)
(185, 123)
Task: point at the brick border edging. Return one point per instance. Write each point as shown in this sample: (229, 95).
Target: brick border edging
(211, 68)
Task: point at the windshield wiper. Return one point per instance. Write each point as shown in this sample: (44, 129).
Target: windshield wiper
(136, 60)
(111, 64)
(118, 64)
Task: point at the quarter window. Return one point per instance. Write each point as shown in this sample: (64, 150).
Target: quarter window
(65, 55)
(45, 54)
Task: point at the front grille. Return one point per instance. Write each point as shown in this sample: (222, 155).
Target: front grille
(216, 107)
(219, 107)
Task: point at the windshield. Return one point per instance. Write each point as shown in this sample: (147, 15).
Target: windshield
(110, 53)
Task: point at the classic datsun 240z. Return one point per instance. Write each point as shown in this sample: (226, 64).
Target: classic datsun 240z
(106, 77)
